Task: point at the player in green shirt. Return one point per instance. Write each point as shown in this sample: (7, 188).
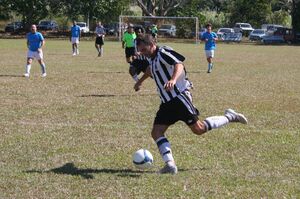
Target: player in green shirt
(128, 43)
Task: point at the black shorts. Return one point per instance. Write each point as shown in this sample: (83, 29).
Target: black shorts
(99, 41)
(129, 52)
(175, 110)
(139, 65)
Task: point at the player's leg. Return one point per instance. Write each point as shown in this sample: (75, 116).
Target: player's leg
(76, 47)
(43, 65)
(164, 147)
(40, 57)
(217, 122)
(127, 55)
(101, 45)
(73, 49)
(28, 65)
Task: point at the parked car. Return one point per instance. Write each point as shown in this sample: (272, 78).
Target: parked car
(14, 27)
(257, 35)
(281, 35)
(167, 30)
(271, 27)
(223, 31)
(233, 37)
(112, 28)
(47, 25)
(83, 27)
(273, 39)
(244, 28)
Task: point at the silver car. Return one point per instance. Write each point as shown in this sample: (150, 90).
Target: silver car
(257, 35)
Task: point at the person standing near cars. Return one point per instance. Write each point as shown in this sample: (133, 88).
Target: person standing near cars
(210, 39)
(75, 38)
(35, 42)
(100, 33)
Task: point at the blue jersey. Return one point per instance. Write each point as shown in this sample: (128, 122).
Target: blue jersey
(75, 30)
(210, 44)
(35, 40)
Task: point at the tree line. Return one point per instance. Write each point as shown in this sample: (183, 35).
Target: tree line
(219, 12)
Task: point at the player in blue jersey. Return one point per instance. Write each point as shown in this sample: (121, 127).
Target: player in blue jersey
(210, 39)
(35, 42)
(75, 38)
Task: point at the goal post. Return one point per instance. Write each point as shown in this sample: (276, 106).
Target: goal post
(186, 27)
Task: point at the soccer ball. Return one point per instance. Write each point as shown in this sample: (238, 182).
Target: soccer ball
(142, 159)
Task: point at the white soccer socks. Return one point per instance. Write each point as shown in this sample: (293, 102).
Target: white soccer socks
(215, 122)
(219, 121)
(165, 149)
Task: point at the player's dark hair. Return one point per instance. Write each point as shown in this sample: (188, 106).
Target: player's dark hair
(208, 25)
(145, 39)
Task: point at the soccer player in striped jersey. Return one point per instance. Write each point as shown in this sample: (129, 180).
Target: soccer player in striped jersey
(167, 70)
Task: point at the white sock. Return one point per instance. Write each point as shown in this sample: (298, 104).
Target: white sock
(135, 77)
(28, 67)
(101, 51)
(43, 67)
(215, 122)
(165, 149)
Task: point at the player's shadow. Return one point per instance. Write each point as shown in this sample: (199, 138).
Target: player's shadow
(118, 95)
(11, 75)
(71, 169)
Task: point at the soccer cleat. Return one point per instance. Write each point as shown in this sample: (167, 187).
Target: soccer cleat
(235, 117)
(74, 54)
(44, 74)
(168, 169)
(26, 75)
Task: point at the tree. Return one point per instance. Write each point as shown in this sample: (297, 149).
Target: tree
(159, 7)
(31, 11)
(4, 9)
(296, 16)
(254, 12)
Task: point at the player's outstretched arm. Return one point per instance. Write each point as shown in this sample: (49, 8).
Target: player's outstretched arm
(138, 84)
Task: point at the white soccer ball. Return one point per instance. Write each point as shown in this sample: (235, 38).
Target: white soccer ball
(142, 159)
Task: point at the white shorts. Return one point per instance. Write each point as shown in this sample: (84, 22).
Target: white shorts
(35, 54)
(75, 40)
(210, 53)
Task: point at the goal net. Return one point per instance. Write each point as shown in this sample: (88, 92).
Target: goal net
(168, 28)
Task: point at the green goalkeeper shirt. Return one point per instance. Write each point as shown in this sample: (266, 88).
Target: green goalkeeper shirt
(129, 38)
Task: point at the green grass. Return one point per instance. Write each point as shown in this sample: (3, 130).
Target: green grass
(72, 134)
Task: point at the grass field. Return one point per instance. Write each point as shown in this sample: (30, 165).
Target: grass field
(72, 134)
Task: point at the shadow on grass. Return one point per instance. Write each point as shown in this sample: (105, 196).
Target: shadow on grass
(11, 75)
(71, 169)
(107, 72)
(113, 95)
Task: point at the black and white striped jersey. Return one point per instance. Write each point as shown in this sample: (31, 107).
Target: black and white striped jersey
(162, 68)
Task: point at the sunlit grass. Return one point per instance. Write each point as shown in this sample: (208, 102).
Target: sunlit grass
(73, 133)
